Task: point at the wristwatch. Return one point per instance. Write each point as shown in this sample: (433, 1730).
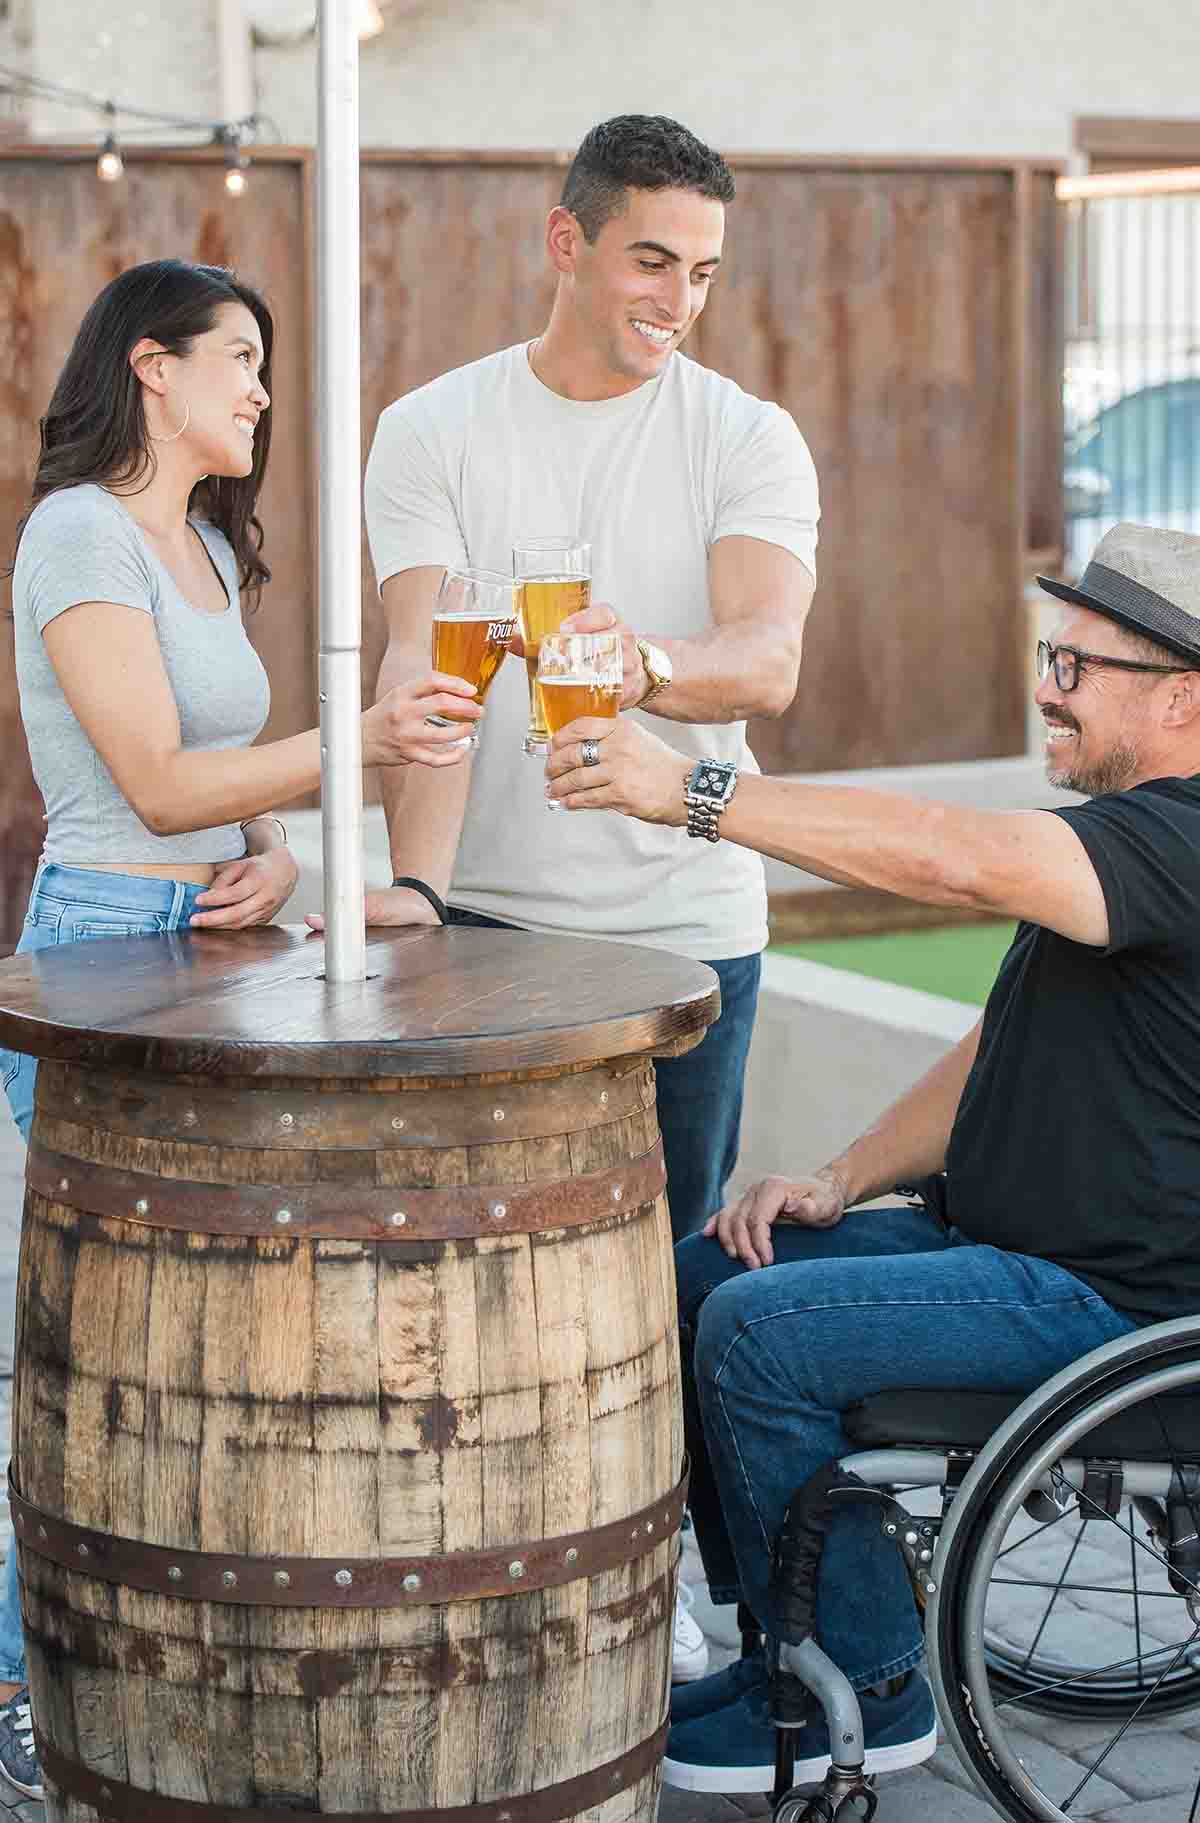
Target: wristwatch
(658, 669)
(707, 789)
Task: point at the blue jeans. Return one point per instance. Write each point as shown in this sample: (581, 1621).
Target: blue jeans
(75, 905)
(699, 1094)
(773, 1357)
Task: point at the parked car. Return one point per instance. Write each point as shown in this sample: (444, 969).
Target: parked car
(1139, 458)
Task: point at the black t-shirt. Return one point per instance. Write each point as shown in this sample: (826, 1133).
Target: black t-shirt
(1077, 1138)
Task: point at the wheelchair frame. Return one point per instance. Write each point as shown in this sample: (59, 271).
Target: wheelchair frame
(1038, 1454)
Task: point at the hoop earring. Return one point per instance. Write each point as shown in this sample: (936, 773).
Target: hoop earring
(175, 435)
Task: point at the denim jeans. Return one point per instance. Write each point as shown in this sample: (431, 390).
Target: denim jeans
(772, 1357)
(75, 905)
(699, 1094)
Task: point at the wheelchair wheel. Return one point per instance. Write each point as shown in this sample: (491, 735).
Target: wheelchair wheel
(1076, 1644)
(1045, 1571)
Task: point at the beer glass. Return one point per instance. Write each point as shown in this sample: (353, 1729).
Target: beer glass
(473, 620)
(554, 580)
(579, 674)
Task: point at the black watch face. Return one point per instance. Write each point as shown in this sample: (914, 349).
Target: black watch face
(711, 783)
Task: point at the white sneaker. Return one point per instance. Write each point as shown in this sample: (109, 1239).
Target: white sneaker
(689, 1649)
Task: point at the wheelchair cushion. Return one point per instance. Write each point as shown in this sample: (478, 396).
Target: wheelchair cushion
(952, 1419)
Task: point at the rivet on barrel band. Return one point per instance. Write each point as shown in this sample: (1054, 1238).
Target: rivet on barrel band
(189, 1119)
(283, 1217)
(398, 1124)
(175, 1573)
(399, 1219)
(516, 1569)
(343, 1578)
(287, 1120)
(141, 1207)
(412, 1583)
(282, 1579)
(499, 1211)
(229, 1578)
(497, 1113)
(64, 1183)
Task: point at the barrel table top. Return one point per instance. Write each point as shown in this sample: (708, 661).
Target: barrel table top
(436, 1002)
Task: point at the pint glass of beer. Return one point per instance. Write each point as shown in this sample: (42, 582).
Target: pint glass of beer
(474, 618)
(554, 580)
(578, 674)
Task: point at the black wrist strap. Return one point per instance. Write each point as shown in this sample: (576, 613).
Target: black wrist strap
(426, 892)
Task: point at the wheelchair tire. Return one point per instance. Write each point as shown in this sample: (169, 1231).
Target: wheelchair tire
(980, 1696)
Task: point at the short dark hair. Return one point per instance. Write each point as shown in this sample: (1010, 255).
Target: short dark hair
(639, 152)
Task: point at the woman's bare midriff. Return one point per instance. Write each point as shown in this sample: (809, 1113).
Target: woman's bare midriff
(194, 873)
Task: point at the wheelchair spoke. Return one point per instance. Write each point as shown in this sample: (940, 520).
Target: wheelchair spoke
(1137, 1610)
(1080, 1679)
(1037, 1638)
(1076, 1588)
(1130, 1720)
(1148, 1549)
(1028, 1537)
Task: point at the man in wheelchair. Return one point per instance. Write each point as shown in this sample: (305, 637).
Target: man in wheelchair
(1067, 1124)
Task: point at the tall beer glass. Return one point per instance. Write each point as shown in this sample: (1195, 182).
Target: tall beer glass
(554, 580)
(579, 674)
(474, 617)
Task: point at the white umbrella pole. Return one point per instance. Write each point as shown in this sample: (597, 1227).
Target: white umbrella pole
(340, 529)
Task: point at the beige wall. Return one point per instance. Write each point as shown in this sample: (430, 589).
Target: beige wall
(940, 77)
(159, 54)
(768, 75)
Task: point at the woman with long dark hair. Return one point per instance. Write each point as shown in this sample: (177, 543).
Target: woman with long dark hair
(139, 690)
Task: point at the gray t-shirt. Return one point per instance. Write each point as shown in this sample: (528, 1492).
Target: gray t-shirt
(82, 545)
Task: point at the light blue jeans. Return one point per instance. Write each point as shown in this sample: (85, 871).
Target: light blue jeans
(75, 905)
(773, 1357)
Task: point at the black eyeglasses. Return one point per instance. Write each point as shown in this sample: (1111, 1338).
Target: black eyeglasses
(1068, 662)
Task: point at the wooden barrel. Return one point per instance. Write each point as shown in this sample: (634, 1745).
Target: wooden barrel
(347, 1442)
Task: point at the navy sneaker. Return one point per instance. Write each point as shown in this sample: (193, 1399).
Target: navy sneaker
(733, 1749)
(18, 1753)
(719, 1690)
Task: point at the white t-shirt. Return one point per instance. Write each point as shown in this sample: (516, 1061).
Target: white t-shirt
(486, 456)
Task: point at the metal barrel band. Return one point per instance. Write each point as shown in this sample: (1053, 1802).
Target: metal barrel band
(301, 1117)
(113, 1798)
(345, 1212)
(345, 1582)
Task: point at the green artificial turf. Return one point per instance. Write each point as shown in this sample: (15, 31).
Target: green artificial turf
(959, 961)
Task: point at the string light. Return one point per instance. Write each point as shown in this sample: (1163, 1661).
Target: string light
(110, 166)
(235, 175)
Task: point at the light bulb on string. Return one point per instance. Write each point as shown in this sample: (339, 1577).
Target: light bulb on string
(236, 166)
(110, 166)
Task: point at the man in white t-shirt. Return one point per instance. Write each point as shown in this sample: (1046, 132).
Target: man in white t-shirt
(700, 505)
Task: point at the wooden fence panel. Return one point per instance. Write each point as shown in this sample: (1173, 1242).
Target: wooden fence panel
(453, 268)
(878, 306)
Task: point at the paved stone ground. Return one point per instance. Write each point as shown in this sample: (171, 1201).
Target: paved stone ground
(1149, 1778)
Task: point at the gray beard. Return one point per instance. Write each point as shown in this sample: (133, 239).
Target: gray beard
(1112, 773)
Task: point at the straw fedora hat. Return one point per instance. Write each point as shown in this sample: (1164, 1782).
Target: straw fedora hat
(1148, 580)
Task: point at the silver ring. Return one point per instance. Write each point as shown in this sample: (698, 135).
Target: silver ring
(589, 753)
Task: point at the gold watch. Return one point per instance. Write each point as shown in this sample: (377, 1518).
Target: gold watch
(658, 668)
